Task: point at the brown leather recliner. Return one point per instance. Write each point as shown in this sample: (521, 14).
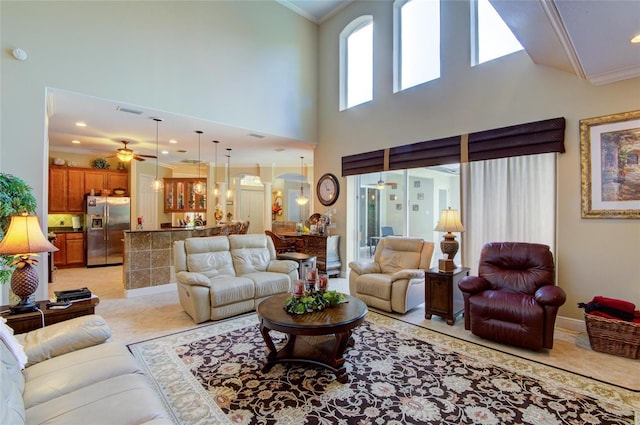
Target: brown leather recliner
(513, 300)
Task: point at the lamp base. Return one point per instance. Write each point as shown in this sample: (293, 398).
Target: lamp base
(26, 307)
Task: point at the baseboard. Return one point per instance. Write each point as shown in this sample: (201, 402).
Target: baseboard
(570, 324)
(150, 290)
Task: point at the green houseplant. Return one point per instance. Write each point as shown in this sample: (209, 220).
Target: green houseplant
(15, 198)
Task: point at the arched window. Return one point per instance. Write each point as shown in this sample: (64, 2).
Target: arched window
(416, 42)
(492, 37)
(356, 62)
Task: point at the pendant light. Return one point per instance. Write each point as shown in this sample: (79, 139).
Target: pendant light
(302, 200)
(229, 192)
(199, 186)
(216, 190)
(380, 185)
(156, 184)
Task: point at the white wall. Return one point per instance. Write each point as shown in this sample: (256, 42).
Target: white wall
(595, 257)
(249, 64)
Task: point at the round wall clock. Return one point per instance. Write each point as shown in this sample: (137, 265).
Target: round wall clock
(328, 189)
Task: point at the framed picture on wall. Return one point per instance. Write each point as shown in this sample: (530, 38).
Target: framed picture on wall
(398, 207)
(393, 197)
(610, 166)
(416, 184)
(420, 196)
(415, 207)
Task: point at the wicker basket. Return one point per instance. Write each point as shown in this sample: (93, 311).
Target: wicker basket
(613, 336)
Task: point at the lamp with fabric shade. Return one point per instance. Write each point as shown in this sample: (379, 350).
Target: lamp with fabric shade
(24, 239)
(449, 222)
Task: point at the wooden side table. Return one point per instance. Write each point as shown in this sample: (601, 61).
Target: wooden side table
(26, 322)
(441, 293)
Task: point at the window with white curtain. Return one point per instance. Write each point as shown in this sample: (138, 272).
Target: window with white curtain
(508, 199)
(356, 62)
(416, 33)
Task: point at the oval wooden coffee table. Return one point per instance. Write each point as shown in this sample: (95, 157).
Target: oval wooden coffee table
(318, 338)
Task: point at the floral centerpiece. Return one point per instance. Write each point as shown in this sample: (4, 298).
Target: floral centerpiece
(275, 209)
(312, 300)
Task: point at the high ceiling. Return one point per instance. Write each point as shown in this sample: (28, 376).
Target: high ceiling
(590, 39)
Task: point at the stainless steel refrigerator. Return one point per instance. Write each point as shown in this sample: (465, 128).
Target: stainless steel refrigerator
(106, 219)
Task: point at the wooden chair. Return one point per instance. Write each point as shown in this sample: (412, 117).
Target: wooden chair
(282, 244)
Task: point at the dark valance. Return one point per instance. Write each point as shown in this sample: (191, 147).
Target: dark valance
(517, 140)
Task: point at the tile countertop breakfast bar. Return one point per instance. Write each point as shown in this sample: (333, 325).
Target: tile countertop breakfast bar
(148, 257)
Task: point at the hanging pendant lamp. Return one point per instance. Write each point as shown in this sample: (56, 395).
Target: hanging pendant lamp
(199, 187)
(229, 192)
(302, 200)
(380, 185)
(216, 189)
(157, 184)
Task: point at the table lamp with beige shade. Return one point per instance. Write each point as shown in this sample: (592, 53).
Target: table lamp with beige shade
(449, 222)
(24, 239)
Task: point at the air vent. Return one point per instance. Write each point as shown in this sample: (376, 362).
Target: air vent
(257, 136)
(190, 161)
(128, 110)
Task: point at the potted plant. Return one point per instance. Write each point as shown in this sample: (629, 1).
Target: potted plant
(15, 198)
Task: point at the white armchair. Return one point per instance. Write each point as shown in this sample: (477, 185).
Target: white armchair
(394, 281)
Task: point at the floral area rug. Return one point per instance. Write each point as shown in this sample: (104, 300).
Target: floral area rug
(399, 373)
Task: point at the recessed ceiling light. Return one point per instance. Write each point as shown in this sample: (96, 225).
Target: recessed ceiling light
(75, 142)
(81, 124)
(636, 39)
(173, 141)
(165, 152)
(257, 136)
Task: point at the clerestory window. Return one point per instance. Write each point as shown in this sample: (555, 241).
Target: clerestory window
(492, 38)
(356, 62)
(416, 42)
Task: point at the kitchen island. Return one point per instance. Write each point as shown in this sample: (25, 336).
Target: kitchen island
(148, 256)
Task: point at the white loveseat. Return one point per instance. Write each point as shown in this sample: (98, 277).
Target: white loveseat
(222, 276)
(73, 376)
(394, 280)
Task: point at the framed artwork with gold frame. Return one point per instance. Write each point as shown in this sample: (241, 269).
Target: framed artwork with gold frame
(610, 166)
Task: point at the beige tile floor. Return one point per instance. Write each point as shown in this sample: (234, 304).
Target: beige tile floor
(144, 317)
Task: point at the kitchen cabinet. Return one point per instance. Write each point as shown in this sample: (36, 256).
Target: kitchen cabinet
(69, 185)
(58, 190)
(106, 179)
(60, 256)
(70, 250)
(179, 196)
(75, 190)
(94, 179)
(75, 249)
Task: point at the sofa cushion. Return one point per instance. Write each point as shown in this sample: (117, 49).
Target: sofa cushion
(395, 253)
(251, 253)
(78, 369)
(228, 290)
(64, 337)
(123, 399)
(11, 388)
(375, 285)
(267, 283)
(209, 256)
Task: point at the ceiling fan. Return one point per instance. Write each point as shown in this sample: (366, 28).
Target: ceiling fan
(125, 154)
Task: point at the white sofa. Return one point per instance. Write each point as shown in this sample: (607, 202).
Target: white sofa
(222, 276)
(73, 377)
(394, 280)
